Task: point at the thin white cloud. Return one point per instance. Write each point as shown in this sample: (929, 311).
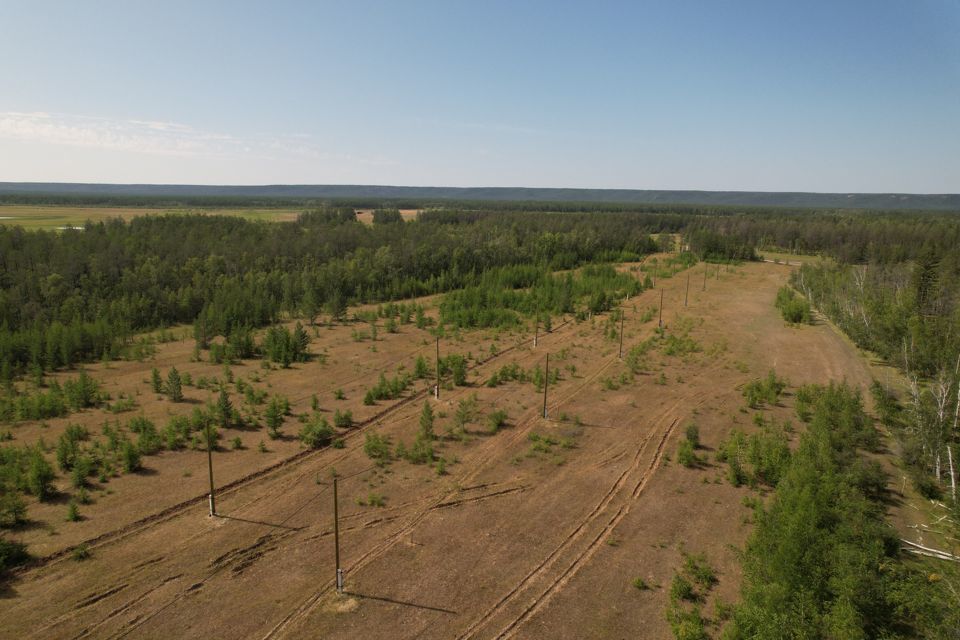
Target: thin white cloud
(163, 138)
(101, 133)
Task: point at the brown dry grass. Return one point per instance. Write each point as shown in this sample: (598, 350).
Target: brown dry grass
(511, 542)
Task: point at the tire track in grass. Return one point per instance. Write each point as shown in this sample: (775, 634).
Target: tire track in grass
(555, 556)
(124, 532)
(167, 513)
(492, 448)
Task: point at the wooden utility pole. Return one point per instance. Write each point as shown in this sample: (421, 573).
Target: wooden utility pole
(704, 276)
(336, 537)
(546, 383)
(660, 324)
(622, 316)
(687, 294)
(213, 500)
(437, 389)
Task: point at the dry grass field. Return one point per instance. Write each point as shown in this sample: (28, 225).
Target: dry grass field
(536, 531)
(53, 217)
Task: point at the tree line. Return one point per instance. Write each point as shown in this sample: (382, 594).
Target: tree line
(82, 294)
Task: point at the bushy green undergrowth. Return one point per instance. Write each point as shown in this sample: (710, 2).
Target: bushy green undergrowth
(765, 391)
(501, 297)
(822, 562)
(793, 307)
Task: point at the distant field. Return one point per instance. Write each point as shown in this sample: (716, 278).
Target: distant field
(366, 215)
(44, 217)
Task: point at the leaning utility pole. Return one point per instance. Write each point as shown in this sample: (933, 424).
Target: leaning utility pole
(336, 537)
(436, 391)
(687, 294)
(546, 383)
(660, 323)
(213, 503)
(622, 316)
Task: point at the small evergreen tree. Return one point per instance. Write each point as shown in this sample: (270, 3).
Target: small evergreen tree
(274, 417)
(156, 383)
(73, 512)
(174, 385)
(129, 457)
(316, 433)
(224, 408)
(300, 343)
(39, 475)
(421, 369)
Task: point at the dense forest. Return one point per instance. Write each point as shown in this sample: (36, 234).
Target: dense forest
(909, 314)
(81, 294)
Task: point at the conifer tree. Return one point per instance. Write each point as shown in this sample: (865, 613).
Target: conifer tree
(174, 385)
(224, 408)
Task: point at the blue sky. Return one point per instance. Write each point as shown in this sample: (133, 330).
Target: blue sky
(754, 95)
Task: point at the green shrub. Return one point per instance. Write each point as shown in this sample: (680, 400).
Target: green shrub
(343, 420)
(82, 468)
(13, 512)
(129, 457)
(73, 512)
(316, 433)
(421, 369)
(274, 417)
(373, 500)
(766, 391)
(377, 448)
(680, 345)
(176, 433)
(39, 476)
(697, 567)
(681, 589)
(148, 438)
(794, 308)
(496, 420)
(692, 434)
(81, 552)
(686, 455)
(68, 446)
(687, 624)
(388, 389)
